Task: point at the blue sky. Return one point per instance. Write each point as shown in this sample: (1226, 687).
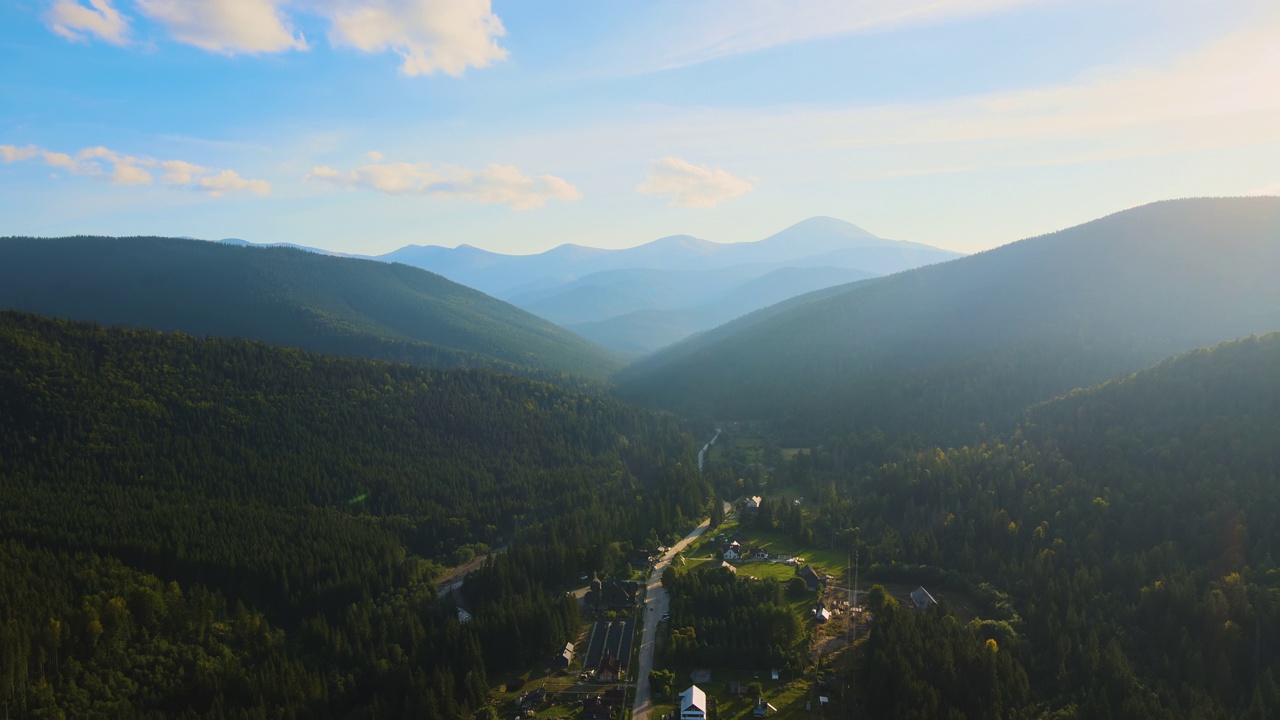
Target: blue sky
(364, 125)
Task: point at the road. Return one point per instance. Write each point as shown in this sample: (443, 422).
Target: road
(453, 577)
(656, 603)
(702, 454)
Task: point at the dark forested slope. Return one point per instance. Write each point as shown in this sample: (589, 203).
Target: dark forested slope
(222, 528)
(1120, 546)
(938, 350)
(345, 306)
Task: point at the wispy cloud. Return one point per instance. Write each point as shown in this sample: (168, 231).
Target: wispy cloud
(696, 33)
(495, 185)
(690, 185)
(1218, 96)
(77, 22)
(121, 169)
(430, 36)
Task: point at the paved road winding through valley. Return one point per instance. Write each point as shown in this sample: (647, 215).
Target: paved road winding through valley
(656, 603)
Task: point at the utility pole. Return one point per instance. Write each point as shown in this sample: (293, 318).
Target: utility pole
(855, 578)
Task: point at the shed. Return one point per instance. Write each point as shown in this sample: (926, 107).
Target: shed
(922, 599)
(565, 658)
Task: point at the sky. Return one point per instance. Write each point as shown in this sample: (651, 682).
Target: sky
(362, 126)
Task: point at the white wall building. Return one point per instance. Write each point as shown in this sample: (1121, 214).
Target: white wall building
(693, 704)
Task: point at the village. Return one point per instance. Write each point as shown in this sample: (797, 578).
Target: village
(599, 676)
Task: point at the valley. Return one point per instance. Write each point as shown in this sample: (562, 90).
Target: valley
(702, 360)
(421, 501)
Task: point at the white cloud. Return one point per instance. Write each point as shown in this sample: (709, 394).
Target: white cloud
(180, 172)
(323, 172)
(376, 156)
(120, 169)
(226, 26)
(692, 185)
(12, 153)
(125, 169)
(230, 181)
(75, 22)
(495, 185)
(60, 160)
(429, 35)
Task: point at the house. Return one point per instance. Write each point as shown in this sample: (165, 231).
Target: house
(763, 709)
(612, 595)
(610, 669)
(602, 705)
(821, 614)
(693, 704)
(595, 708)
(922, 599)
(729, 567)
(640, 559)
(753, 502)
(731, 553)
(565, 658)
(811, 578)
(774, 675)
(529, 701)
(760, 553)
(464, 617)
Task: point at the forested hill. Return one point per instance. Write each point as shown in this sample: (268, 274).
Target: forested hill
(939, 350)
(356, 308)
(1213, 412)
(217, 528)
(1120, 545)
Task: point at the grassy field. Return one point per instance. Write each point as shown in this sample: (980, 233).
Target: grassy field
(765, 569)
(826, 560)
(829, 560)
(744, 449)
(692, 563)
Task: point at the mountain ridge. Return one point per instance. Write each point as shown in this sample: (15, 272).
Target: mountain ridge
(835, 235)
(345, 306)
(999, 329)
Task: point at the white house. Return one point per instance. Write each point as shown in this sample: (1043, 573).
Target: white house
(693, 704)
(732, 554)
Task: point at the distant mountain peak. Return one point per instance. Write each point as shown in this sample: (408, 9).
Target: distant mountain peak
(826, 222)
